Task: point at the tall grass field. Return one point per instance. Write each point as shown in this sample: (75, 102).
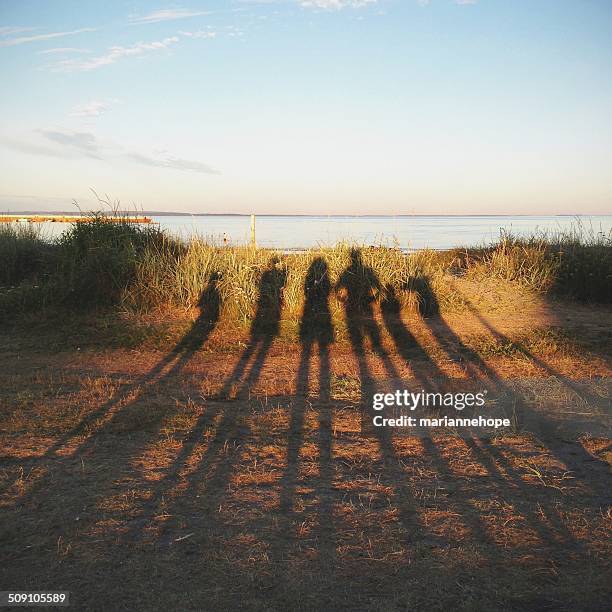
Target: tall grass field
(102, 264)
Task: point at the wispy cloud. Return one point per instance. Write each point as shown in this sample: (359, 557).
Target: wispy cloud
(165, 15)
(60, 50)
(172, 162)
(83, 142)
(199, 34)
(67, 144)
(35, 148)
(461, 2)
(11, 42)
(115, 54)
(9, 30)
(95, 108)
(335, 4)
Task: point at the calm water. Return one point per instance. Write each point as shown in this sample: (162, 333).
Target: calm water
(411, 232)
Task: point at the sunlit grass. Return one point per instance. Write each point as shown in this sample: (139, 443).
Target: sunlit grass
(105, 263)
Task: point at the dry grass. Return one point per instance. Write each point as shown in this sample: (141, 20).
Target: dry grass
(129, 478)
(109, 263)
(163, 281)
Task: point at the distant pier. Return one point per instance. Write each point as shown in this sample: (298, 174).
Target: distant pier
(68, 219)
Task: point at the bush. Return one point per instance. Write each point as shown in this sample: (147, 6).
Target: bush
(575, 263)
(584, 270)
(24, 254)
(97, 260)
(528, 262)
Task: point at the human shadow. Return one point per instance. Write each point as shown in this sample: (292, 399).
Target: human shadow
(214, 462)
(427, 303)
(264, 327)
(358, 288)
(422, 365)
(209, 305)
(126, 412)
(427, 373)
(476, 366)
(550, 528)
(316, 334)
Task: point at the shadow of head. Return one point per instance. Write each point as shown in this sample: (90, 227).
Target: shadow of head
(390, 303)
(427, 302)
(358, 286)
(317, 284)
(210, 299)
(272, 283)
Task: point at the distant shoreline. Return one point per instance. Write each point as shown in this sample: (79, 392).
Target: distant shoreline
(153, 213)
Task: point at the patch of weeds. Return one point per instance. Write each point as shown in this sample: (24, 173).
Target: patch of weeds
(61, 331)
(485, 346)
(345, 386)
(542, 341)
(549, 340)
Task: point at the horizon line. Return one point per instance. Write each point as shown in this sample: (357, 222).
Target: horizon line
(159, 213)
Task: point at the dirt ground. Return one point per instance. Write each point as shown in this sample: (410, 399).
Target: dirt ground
(233, 469)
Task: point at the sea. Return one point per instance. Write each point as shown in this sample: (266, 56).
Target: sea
(409, 233)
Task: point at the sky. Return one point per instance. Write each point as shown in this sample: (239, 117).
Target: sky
(308, 106)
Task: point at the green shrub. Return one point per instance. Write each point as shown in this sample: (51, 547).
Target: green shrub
(576, 263)
(24, 254)
(97, 260)
(584, 270)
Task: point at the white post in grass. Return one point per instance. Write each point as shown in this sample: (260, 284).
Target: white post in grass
(253, 241)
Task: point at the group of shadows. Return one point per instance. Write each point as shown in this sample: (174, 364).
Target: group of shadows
(225, 425)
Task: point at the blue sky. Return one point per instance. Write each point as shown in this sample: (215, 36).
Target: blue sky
(321, 106)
